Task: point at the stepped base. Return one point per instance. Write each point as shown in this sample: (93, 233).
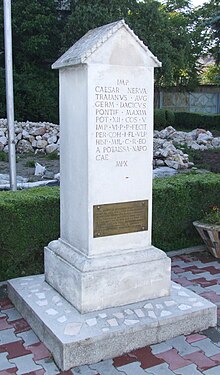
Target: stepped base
(75, 339)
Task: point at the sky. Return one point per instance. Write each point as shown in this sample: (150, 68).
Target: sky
(197, 2)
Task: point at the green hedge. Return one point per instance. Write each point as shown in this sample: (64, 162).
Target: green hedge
(177, 202)
(30, 219)
(190, 120)
(163, 118)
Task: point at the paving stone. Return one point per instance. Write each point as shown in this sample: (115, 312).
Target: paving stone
(28, 337)
(200, 360)
(84, 370)
(129, 369)
(49, 366)
(196, 288)
(10, 371)
(12, 314)
(181, 345)
(4, 362)
(206, 275)
(183, 281)
(213, 334)
(5, 304)
(162, 369)
(207, 347)
(212, 371)
(8, 335)
(25, 364)
(4, 324)
(20, 325)
(188, 370)
(174, 359)
(194, 337)
(195, 270)
(160, 348)
(39, 351)
(107, 368)
(14, 349)
(3, 290)
(213, 288)
(123, 360)
(146, 358)
(177, 269)
(211, 296)
(213, 270)
(216, 359)
(206, 283)
(38, 372)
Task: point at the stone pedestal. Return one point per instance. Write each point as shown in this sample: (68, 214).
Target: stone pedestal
(75, 339)
(104, 256)
(106, 281)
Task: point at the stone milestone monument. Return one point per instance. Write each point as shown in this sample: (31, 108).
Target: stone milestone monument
(106, 289)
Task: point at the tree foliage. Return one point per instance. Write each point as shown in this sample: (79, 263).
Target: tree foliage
(174, 31)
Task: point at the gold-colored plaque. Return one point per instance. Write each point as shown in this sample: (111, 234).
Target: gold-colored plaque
(120, 218)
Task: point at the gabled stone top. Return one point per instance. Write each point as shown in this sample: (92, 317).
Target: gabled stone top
(91, 41)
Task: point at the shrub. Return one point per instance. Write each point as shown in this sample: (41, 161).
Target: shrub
(189, 120)
(163, 118)
(177, 202)
(29, 220)
(170, 117)
(159, 119)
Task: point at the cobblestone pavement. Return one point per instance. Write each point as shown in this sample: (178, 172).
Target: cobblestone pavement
(22, 353)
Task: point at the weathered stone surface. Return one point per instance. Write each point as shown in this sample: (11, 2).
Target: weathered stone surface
(41, 143)
(51, 148)
(216, 142)
(3, 140)
(52, 139)
(38, 131)
(24, 146)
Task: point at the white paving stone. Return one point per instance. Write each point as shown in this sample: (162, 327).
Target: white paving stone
(8, 335)
(12, 314)
(105, 368)
(207, 347)
(49, 366)
(189, 370)
(28, 337)
(162, 369)
(131, 369)
(26, 364)
(160, 348)
(5, 364)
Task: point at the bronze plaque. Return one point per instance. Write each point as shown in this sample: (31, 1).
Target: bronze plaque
(120, 218)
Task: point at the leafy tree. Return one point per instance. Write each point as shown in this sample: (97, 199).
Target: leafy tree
(36, 44)
(207, 27)
(176, 33)
(211, 75)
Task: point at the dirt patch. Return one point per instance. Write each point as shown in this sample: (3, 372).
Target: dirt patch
(207, 159)
(25, 165)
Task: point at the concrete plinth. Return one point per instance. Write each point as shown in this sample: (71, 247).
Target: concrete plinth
(96, 283)
(75, 339)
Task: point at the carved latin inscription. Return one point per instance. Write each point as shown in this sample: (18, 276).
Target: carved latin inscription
(120, 121)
